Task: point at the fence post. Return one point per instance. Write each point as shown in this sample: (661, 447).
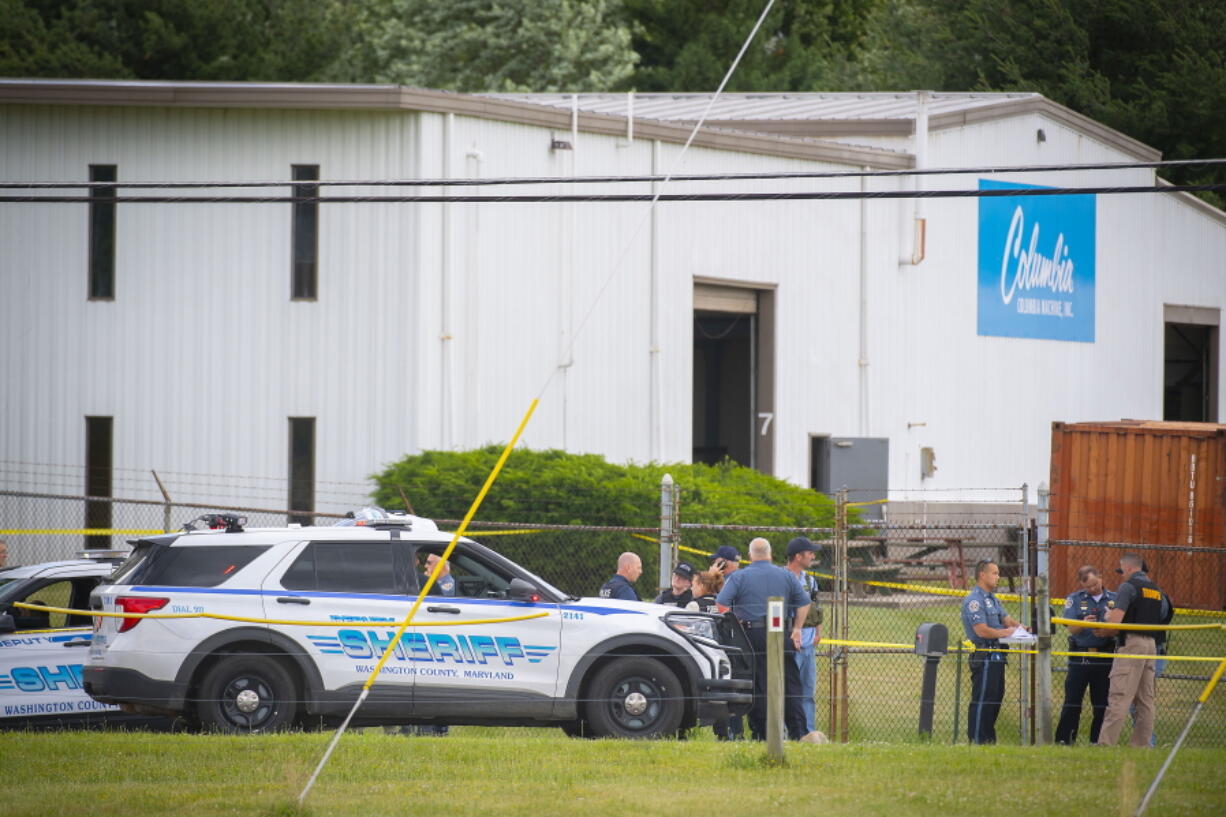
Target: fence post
(958, 691)
(840, 625)
(667, 518)
(1043, 621)
(165, 496)
(1025, 665)
(774, 679)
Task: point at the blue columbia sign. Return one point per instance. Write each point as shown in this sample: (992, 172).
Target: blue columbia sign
(1036, 265)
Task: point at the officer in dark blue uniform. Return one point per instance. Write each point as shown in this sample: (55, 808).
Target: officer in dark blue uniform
(621, 586)
(746, 594)
(985, 622)
(1091, 603)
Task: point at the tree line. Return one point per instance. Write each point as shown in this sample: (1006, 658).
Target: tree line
(1153, 69)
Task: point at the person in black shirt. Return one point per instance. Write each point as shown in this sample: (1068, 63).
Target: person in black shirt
(679, 594)
(706, 585)
(621, 586)
(1139, 600)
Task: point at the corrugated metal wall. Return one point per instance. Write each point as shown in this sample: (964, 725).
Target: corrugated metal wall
(436, 326)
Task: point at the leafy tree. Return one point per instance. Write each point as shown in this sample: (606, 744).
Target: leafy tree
(687, 45)
(1154, 69)
(554, 487)
(490, 45)
(268, 40)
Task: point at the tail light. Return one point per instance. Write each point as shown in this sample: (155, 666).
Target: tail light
(137, 604)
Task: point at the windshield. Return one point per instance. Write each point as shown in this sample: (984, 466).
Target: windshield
(7, 587)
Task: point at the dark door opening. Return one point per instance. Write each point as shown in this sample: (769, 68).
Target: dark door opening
(1190, 373)
(723, 387)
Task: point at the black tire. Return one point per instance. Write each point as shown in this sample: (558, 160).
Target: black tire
(247, 693)
(634, 698)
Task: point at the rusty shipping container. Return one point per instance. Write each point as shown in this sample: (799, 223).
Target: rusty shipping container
(1142, 483)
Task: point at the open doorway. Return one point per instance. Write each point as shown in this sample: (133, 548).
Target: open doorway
(733, 376)
(1190, 364)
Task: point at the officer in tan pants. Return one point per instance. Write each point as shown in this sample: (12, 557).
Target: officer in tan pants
(1138, 601)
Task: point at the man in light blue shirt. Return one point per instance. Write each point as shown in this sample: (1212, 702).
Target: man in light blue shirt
(801, 553)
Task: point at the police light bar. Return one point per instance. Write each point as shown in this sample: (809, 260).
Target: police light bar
(103, 554)
(376, 517)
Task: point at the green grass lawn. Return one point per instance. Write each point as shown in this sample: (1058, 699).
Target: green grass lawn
(535, 772)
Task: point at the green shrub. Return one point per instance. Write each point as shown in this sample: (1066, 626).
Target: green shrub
(554, 487)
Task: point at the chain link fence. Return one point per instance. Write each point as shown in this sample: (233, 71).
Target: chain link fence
(880, 577)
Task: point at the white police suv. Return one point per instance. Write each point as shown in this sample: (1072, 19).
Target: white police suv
(303, 614)
(42, 654)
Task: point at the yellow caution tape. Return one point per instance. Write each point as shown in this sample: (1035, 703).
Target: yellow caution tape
(944, 591)
(479, 534)
(79, 532)
(647, 538)
(60, 630)
(839, 642)
(1104, 625)
(283, 622)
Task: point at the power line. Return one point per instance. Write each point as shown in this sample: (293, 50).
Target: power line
(839, 195)
(693, 177)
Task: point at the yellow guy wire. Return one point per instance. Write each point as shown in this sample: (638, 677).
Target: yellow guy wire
(489, 481)
(455, 537)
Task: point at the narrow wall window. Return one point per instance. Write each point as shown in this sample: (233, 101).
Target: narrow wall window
(102, 233)
(98, 465)
(301, 468)
(304, 270)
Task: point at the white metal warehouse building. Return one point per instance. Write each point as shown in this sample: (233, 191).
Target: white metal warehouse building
(250, 339)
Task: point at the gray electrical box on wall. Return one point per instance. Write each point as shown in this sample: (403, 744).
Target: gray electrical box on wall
(861, 464)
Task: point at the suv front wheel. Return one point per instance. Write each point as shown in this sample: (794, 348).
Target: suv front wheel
(634, 698)
(246, 693)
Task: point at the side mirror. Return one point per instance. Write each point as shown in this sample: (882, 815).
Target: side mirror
(521, 590)
(7, 625)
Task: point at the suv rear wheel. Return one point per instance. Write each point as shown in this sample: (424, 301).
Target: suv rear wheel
(247, 693)
(634, 698)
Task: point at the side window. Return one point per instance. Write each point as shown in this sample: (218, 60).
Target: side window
(204, 566)
(343, 567)
(55, 594)
(474, 579)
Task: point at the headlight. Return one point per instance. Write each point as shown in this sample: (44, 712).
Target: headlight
(699, 626)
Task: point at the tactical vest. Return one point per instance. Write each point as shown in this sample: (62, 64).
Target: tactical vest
(1146, 608)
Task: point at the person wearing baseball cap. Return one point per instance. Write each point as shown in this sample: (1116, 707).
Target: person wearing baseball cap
(726, 559)
(680, 592)
(801, 554)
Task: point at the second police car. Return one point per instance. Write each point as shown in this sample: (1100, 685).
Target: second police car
(42, 653)
(298, 617)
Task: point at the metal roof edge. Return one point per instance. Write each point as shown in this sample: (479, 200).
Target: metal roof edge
(1052, 110)
(114, 93)
(1194, 201)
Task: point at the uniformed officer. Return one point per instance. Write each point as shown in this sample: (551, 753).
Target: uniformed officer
(1139, 600)
(1091, 603)
(746, 593)
(621, 586)
(985, 622)
(445, 585)
(679, 593)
